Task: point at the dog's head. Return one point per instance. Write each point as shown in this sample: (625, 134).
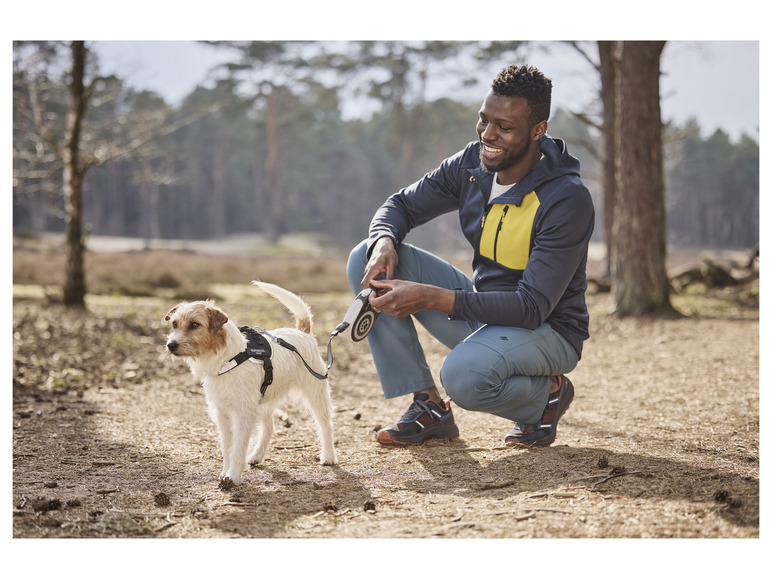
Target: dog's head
(196, 329)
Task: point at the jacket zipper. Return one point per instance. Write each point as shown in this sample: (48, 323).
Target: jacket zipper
(498, 230)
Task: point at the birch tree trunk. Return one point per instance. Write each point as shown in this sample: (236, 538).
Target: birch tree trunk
(74, 292)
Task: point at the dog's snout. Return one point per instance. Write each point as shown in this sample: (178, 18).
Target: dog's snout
(172, 346)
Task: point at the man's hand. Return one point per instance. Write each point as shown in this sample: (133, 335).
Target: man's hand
(404, 298)
(383, 260)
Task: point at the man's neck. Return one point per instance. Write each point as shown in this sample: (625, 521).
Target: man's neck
(513, 174)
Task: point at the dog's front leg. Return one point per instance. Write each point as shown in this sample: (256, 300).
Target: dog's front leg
(237, 453)
(225, 428)
(265, 428)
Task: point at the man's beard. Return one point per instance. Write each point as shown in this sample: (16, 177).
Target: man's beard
(506, 162)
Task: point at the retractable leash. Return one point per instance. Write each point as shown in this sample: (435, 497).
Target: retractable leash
(360, 317)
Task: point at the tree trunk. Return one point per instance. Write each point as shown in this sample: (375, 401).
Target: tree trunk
(218, 202)
(608, 158)
(275, 225)
(75, 282)
(639, 277)
(150, 210)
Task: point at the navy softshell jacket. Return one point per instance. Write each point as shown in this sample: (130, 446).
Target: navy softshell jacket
(530, 244)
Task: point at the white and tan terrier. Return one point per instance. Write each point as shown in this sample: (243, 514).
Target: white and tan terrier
(207, 340)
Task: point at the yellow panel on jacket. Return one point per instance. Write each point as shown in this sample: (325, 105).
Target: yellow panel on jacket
(506, 232)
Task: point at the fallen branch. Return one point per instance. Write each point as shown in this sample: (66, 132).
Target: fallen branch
(489, 486)
(608, 478)
(551, 511)
(90, 462)
(166, 526)
(482, 448)
(557, 494)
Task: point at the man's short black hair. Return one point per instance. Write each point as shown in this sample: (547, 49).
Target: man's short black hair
(528, 83)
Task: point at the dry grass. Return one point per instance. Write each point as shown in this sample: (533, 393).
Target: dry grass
(179, 274)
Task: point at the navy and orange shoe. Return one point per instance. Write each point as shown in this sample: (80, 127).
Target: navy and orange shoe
(424, 420)
(543, 433)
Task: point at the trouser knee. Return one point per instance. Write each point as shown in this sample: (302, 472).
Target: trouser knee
(477, 379)
(355, 267)
(461, 384)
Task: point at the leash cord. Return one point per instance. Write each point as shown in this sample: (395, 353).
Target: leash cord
(292, 348)
(314, 373)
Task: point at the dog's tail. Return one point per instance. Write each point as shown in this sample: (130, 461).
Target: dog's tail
(296, 306)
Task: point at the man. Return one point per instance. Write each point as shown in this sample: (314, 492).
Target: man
(518, 327)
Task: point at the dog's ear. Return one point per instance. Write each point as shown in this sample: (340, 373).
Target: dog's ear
(171, 311)
(217, 319)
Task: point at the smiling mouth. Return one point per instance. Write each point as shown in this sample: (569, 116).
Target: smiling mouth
(490, 152)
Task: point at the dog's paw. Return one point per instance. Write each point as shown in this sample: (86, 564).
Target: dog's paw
(328, 460)
(255, 459)
(226, 484)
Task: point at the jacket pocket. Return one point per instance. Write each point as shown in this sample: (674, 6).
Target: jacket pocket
(506, 232)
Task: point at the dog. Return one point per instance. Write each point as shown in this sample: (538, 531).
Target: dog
(204, 336)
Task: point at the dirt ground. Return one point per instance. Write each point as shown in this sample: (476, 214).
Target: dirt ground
(111, 438)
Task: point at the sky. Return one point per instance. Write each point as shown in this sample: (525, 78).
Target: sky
(710, 65)
(716, 82)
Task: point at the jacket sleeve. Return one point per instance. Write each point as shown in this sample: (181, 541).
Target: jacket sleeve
(433, 195)
(551, 275)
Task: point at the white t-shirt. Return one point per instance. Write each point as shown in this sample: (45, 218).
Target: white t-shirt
(497, 189)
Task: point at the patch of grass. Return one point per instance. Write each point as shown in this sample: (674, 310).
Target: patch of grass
(64, 380)
(700, 300)
(181, 274)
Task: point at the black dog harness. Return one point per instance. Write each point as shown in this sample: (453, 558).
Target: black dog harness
(259, 348)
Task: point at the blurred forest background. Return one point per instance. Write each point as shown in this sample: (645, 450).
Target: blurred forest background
(267, 150)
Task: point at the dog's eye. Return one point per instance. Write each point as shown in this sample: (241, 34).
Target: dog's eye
(194, 325)
(174, 325)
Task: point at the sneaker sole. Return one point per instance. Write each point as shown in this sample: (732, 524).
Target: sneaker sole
(547, 440)
(384, 437)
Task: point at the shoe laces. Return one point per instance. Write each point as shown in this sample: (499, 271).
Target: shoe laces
(415, 410)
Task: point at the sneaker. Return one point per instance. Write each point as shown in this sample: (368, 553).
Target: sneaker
(424, 420)
(543, 433)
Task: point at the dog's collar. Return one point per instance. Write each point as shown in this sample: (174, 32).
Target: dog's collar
(257, 348)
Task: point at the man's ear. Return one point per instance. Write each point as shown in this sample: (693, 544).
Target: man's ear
(538, 130)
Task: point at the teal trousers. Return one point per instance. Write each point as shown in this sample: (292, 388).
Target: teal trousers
(502, 370)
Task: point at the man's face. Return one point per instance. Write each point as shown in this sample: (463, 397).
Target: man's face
(508, 141)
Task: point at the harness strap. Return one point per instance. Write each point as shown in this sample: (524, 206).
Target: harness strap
(259, 348)
(314, 373)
